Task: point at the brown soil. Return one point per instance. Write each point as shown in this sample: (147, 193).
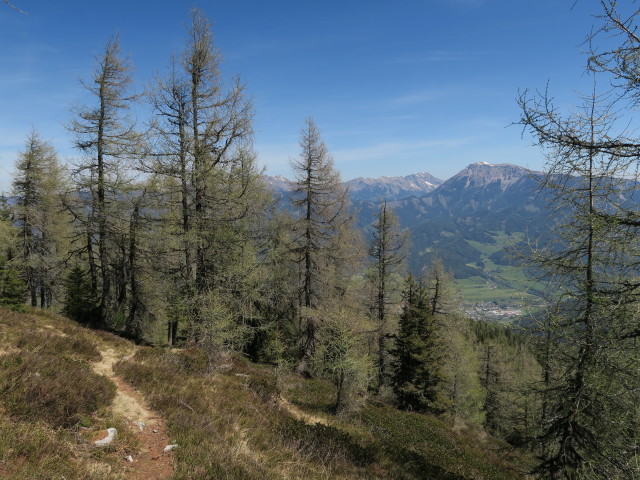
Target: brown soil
(150, 463)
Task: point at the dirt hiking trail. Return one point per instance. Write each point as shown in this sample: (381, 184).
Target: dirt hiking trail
(151, 462)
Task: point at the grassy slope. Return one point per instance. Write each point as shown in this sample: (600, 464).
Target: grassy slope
(52, 403)
(230, 420)
(226, 414)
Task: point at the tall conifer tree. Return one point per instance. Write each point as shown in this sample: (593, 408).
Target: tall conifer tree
(38, 187)
(590, 425)
(321, 203)
(388, 249)
(203, 130)
(418, 376)
(107, 138)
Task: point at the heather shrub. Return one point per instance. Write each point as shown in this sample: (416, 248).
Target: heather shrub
(55, 344)
(53, 389)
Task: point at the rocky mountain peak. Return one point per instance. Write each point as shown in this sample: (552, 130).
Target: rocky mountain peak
(277, 183)
(484, 173)
(393, 188)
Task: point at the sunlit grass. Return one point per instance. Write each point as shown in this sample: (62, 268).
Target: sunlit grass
(227, 415)
(230, 421)
(52, 402)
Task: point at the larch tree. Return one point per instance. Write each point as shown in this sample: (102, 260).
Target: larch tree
(220, 128)
(438, 282)
(170, 101)
(38, 186)
(589, 427)
(320, 200)
(388, 250)
(140, 257)
(591, 268)
(202, 151)
(506, 367)
(13, 290)
(340, 357)
(461, 372)
(106, 136)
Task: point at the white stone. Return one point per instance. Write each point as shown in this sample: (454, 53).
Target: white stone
(111, 434)
(141, 425)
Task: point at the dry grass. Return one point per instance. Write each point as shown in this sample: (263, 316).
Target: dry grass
(61, 392)
(228, 416)
(234, 424)
(51, 401)
(53, 343)
(230, 424)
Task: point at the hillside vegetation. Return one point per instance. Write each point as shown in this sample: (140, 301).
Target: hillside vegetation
(291, 342)
(53, 404)
(231, 418)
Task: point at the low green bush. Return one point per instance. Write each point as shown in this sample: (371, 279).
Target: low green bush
(424, 445)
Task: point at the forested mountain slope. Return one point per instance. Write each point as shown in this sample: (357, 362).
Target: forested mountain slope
(470, 221)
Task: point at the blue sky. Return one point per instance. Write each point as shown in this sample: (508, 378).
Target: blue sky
(395, 87)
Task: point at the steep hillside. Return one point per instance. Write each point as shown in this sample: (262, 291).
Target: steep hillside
(64, 413)
(471, 221)
(235, 419)
(228, 417)
(475, 205)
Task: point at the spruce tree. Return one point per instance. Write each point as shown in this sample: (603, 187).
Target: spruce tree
(418, 375)
(80, 303)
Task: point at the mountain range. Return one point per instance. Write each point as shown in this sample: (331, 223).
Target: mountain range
(392, 188)
(374, 189)
(471, 221)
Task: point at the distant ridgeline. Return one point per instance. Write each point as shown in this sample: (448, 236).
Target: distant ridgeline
(483, 204)
(472, 221)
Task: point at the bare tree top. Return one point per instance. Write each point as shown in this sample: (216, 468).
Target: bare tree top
(14, 7)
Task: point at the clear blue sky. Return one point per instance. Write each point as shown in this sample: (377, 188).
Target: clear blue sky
(395, 87)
